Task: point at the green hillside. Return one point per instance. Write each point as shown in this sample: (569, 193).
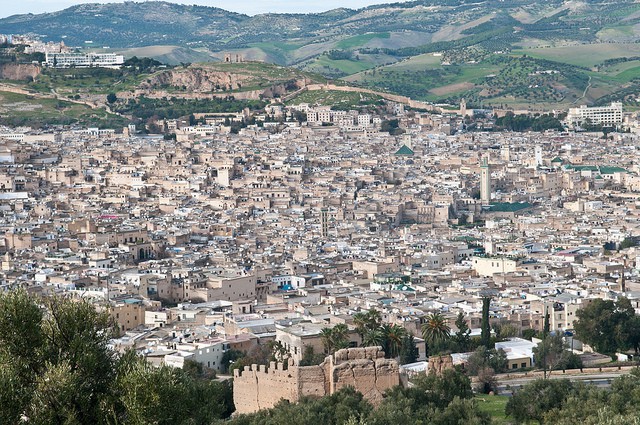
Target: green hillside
(20, 110)
(521, 53)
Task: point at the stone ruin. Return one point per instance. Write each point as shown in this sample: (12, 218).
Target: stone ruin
(364, 369)
(231, 58)
(438, 364)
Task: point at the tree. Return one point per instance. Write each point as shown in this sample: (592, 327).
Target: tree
(408, 351)
(335, 338)
(111, 98)
(259, 354)
(366, 322)
(485, 327)
(392, 127)
(309, 357)
(392, 337)
(336, 409)
(547, 326)
(167, 395)
(483, 358)
(487, 381)
(606, 325)
(462, 336)
(56, 368)
(534, 400)
(628, 243)
(529, 334)
(550, 352)
(373, 338)
(198, 370)
(506, 330)
(279, 352)
(432, 399)
(435, 331)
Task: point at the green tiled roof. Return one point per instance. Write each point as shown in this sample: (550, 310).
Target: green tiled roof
(404, 151)
(602, 169)
(509, 207)
(611, 170)
(583, 167)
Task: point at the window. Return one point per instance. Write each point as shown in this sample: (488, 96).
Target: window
(514, 366)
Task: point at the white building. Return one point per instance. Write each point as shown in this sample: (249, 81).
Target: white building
(605, 115)
(84, 60)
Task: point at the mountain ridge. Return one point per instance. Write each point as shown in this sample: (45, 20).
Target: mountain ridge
(515, 52)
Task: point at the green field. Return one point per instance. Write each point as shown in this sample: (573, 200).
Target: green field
(343, 100)
(586, 55)
(416, 63)
(359, 40)
(85, 81)
(278, 52)
(338, 68)
(494, 405)
(630, 71)
(19, 109)
(423, 77)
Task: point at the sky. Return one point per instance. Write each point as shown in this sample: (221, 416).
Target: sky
(249, 7)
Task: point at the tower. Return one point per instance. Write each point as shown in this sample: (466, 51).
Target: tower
(485, 182)
(538, 155)
(505, 153)
(463, 107)
(324, 222)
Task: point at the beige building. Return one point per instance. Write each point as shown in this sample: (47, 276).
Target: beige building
(488, 266)
(295, 338)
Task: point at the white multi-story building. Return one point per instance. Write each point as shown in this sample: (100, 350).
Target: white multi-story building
(364, 120)
(605, 115)
(84, 60)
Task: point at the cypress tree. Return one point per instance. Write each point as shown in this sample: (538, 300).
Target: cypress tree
(485, 334)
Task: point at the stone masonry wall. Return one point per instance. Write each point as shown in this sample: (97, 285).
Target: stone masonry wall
(260, 388)
(364, 369)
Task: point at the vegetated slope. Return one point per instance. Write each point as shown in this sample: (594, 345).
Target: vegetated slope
(133, 24)
(484, 44)
(251, 81)
(20, 110)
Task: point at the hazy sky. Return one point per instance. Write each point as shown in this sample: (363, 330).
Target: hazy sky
(250, 7)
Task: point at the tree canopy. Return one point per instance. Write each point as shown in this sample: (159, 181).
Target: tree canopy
(432, 400)
(56, 368)
(609, 326)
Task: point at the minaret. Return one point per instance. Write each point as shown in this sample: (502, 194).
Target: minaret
(485, 182)
(463, 107)
(538, 154)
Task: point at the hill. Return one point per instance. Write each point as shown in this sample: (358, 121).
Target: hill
(490, 52)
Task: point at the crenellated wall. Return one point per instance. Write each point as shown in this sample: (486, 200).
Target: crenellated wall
(365, 369)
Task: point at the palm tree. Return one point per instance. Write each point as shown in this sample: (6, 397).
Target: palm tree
(361, 323)
(340, 336)
(374, 317)
(326, 335)
(366, 322)
(279, 352)
(393, 335)
(335, 338)
(435, 330)
(373, 338)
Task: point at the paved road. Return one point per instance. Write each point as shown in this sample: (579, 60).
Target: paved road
(602, 380)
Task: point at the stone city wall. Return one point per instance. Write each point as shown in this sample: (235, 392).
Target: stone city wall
(365, 369)
(260, 388)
